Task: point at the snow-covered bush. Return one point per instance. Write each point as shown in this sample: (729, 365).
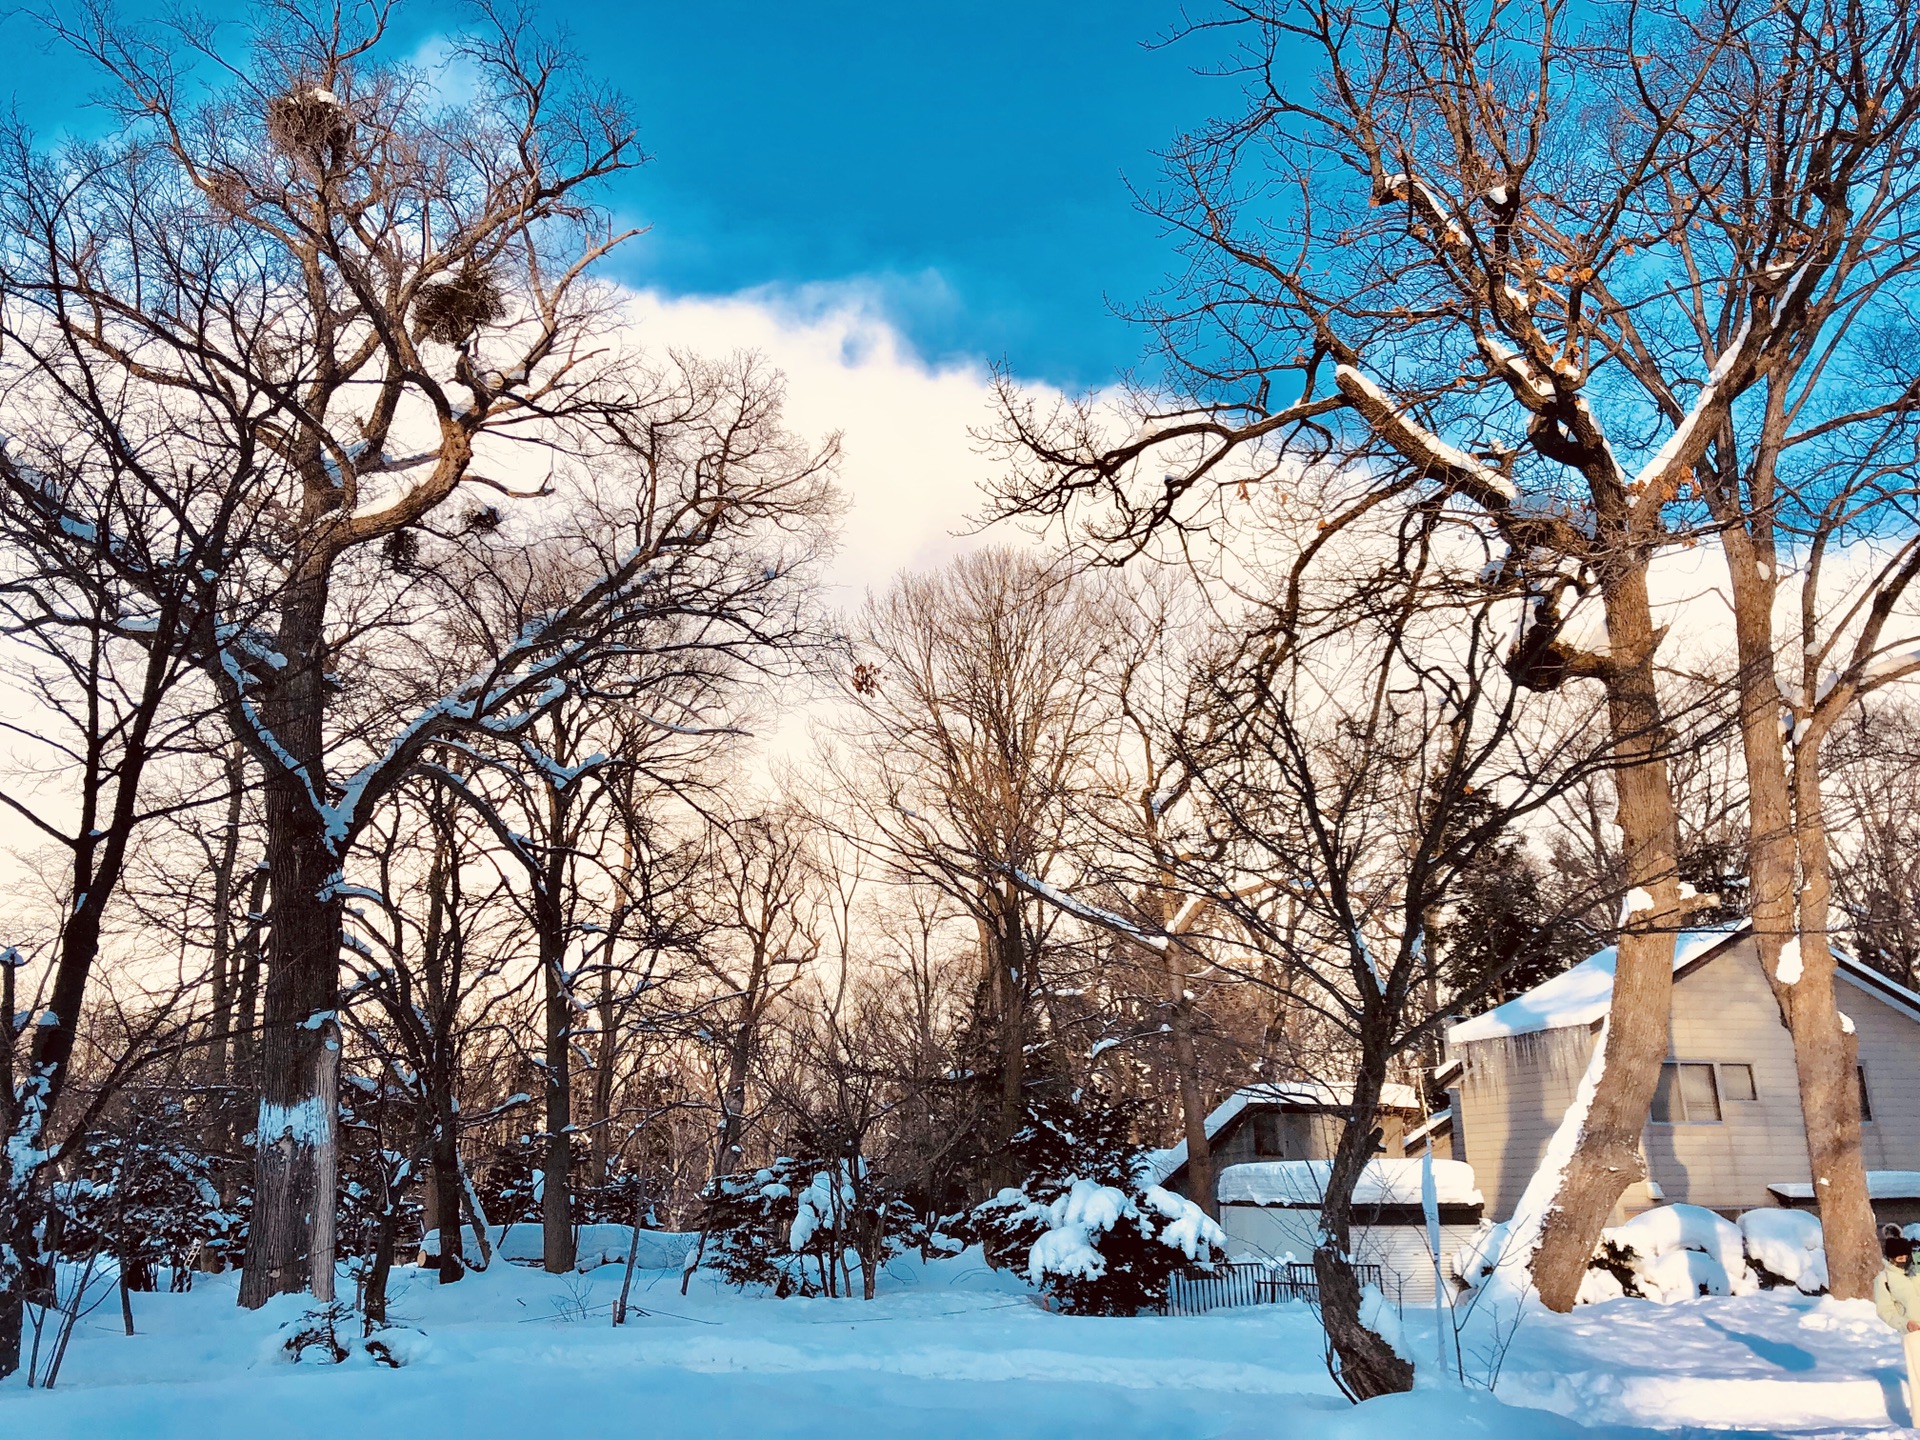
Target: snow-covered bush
(146, 1193)
(803, 1226)
(1679, 1252)
(1785, 1247)
(1083, 1226)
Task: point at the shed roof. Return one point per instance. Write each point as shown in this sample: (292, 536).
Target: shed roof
(1302, 1183)
(1304, 1094)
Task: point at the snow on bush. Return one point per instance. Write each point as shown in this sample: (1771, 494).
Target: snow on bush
(1786, 1248)
(1086, 1225)
(1100, 1250)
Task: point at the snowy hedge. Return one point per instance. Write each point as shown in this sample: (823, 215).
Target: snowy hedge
(1679, 1252)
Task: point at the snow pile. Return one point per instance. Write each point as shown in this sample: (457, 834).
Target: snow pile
(1383, 1182)
(1674, 1252)
(1787, 1245)
(593, 1246)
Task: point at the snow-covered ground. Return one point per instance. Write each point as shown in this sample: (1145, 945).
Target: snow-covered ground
(948, 1350)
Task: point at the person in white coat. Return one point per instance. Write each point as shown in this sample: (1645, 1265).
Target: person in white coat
(1896, 1295)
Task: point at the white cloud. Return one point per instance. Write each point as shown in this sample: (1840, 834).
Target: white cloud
(911, 471)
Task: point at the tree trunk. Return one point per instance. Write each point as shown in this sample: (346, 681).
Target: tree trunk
(445, 1165)
(1607, 1156)
(556, 1198)
(1827, 1056)
(294, 1134)
(1201, 1184)
(1367, 1366)
(1780, 852)
(222, 932)
(246, 1016)
(1007, 956)
(599, 1148)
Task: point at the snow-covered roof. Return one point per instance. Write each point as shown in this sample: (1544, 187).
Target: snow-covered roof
(1881, 1185)
(1298, 1183)
(1162, 1163)
(1579, 997)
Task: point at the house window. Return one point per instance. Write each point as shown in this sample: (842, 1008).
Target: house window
(1269, 1135)
(1866, 1100)
(1736, 1082)
(1687, 1094)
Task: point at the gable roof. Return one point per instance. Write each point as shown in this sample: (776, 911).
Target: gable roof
(1313, 1094)
(1580, 996)
(1577, 997)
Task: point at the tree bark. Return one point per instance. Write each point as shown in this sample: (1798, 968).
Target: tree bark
(1367, 1365)
(220, 1039)
(1607, 1156)
(1201, 1181)
(1007, 957)
(294, 1134)
(1827, 1057)
(556, 1194)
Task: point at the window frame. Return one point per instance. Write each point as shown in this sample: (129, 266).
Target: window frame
(1678, 1100)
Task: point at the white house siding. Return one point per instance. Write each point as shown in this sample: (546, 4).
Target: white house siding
(1270, 1232)
(1724, 1011)
(1890, 1053)
(1509, 1101)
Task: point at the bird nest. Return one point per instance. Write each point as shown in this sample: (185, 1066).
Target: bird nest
(308, 120)
(451, 310)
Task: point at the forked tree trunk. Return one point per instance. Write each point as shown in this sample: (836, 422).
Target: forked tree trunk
(1606, 1157)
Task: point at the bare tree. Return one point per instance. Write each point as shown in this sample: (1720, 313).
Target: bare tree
(977, 709)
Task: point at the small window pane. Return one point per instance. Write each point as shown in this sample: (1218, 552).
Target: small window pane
(1736, 1082)
(1866, 1101)
(1666, 1103)
(1698, 1092)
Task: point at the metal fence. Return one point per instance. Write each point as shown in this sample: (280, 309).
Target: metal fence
(1250, 1282)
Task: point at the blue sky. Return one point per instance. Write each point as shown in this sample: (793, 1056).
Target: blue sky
(966, 162)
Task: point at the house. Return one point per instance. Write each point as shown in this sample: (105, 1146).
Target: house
(1272, 1147)
(1727, 1131)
